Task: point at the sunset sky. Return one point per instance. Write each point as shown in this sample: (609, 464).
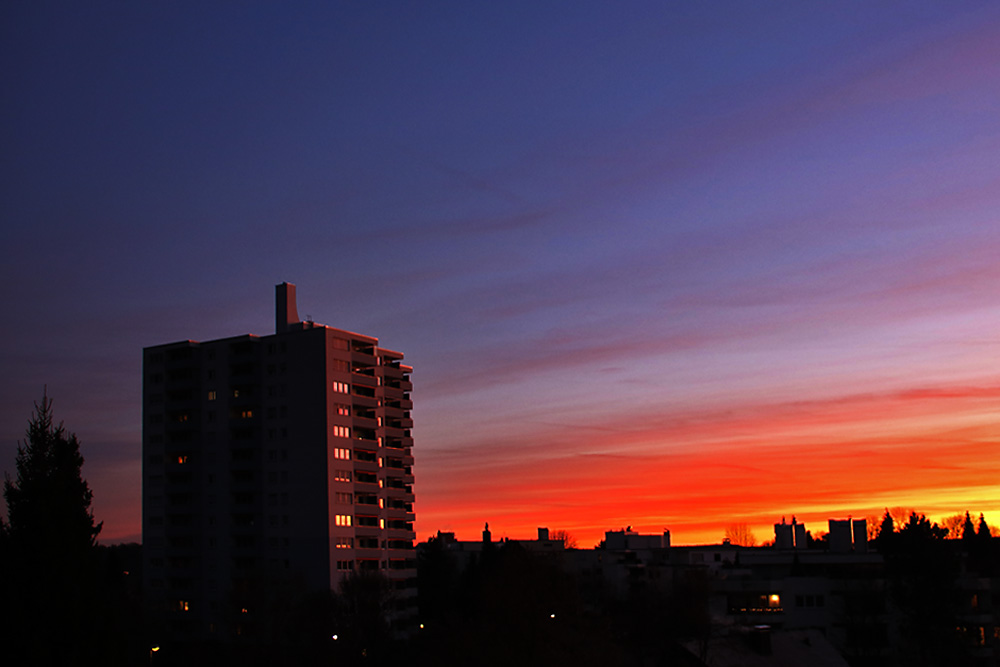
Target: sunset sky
(659, 264)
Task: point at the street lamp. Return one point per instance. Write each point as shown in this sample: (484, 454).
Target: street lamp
(153, 649)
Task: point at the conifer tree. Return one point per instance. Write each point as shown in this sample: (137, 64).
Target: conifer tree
(48, 505)
(49, 548)
(968, 528)
(983, 533)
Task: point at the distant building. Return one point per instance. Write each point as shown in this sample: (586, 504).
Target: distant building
(628, 539)
(273, 465)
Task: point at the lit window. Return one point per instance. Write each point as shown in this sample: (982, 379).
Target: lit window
(246, 414)
(342, 475)
(341, 388)
(182, 458)
(211, 395)
(342, 453)
(342, 520)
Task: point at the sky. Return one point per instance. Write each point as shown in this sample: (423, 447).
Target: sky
(667, 265)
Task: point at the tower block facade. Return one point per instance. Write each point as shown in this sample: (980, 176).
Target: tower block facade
(272, 466)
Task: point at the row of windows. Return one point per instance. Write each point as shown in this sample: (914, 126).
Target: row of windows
(809, 601)
(368, 521)
(396, 564)
(341, 388)
(341, 432)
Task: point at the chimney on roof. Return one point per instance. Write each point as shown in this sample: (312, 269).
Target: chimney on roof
(286, 312)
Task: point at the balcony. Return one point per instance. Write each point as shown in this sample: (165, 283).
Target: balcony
(400, 534)
(365, 422)
(366, 478)
(400, 515)
(363, 357)
(364, 400)
(393, 394)
(402, 493)
(363, 380)
(367, 531)
(397, 433)
(367, 554)
(394, 412)
(393, 371)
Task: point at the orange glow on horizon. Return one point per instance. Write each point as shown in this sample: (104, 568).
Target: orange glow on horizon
(932, 449)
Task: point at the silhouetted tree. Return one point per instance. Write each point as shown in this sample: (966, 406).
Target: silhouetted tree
(49, 559)
(567, 538)
(900, 515)
(921, 568)
(886, 533)
(983, 532)
(954, 524)
(969, 528)
(48, 505)
(509, 607)
(740, 535)
(872, 526)
(361, 615)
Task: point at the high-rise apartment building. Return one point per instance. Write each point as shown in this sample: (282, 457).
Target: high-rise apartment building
(273, 466)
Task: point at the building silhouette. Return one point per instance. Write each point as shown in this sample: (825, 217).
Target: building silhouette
(273, 467)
